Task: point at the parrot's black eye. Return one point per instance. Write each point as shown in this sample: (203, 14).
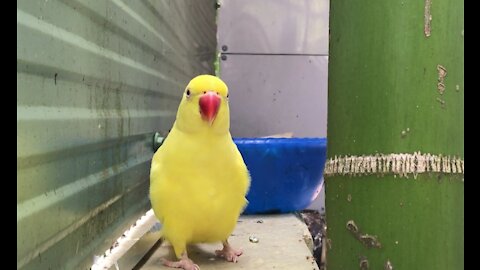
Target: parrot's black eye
(188, 93)
(228, 95)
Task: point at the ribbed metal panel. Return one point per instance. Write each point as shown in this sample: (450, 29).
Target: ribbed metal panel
(95, 79)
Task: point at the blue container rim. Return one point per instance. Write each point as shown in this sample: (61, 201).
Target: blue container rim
(316, 140)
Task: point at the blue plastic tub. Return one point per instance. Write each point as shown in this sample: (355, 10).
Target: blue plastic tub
(286, 172)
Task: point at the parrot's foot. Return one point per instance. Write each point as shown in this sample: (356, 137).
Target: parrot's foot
(184, 263)
(229, 253)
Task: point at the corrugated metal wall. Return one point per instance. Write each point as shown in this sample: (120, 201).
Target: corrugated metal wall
(95, 79)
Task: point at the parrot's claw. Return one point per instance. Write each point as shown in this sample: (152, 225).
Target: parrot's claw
(184, 263)
(229, 253)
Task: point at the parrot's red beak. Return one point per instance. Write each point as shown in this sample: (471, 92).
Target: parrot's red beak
(209, 105)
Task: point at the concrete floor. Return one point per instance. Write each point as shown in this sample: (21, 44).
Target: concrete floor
(284, 242)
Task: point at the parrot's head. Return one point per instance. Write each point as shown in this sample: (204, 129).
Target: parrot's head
(204, 106)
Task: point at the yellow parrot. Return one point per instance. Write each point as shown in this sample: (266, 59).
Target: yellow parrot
(198, 179)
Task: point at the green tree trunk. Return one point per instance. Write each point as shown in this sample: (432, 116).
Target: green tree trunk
(394, 179)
